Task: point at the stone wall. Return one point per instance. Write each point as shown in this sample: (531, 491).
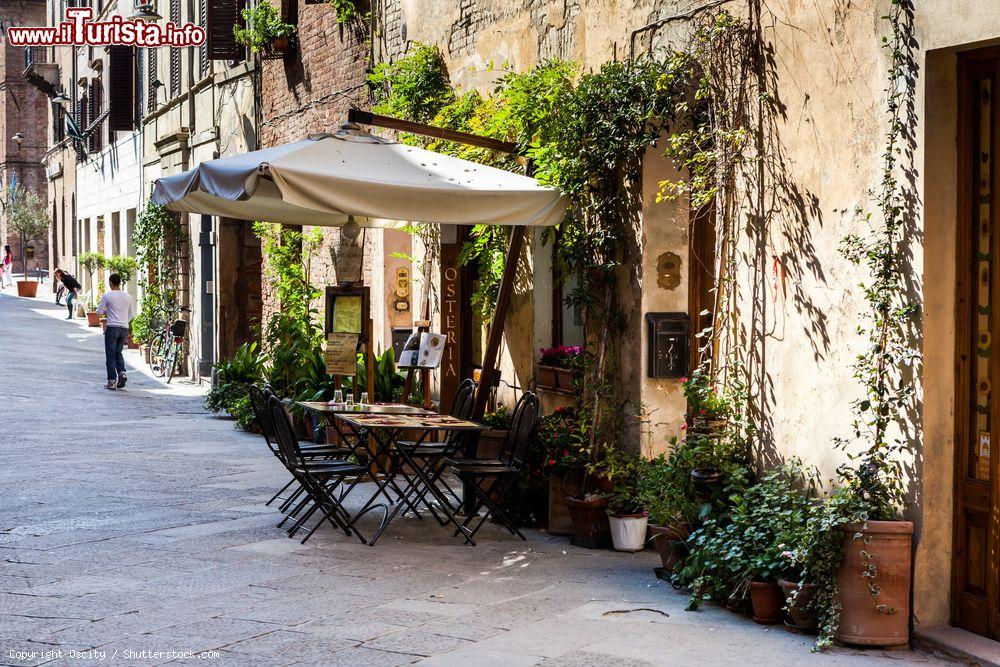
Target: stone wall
(20, 105)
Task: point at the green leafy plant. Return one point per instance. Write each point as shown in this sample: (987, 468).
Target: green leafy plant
(263, 24)
(750, 544)
(388, 382)
(703, 396)
(157, 241)
(499, 418)
(564, 436)
(623, 471)
(346, 10)
(123, 265)
(233, 378)
(665, 490)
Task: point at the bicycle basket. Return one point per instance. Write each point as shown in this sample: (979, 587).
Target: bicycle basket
(178, 328)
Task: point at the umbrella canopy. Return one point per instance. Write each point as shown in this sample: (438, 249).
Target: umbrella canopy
(381, 183)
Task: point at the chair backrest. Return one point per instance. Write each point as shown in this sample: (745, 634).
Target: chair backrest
(285, 435)
(262, 417)
(461, 407)
(523, 424)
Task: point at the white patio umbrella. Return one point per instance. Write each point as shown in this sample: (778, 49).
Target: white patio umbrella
(380, 183)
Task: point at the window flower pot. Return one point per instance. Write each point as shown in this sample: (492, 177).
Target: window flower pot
(767, 601)
(278, 47)
(800, 606)
(628, 531)
(890, 546)
(93, 319)
(27, 288)
(590, 522)
(564, 380)
(547, 378)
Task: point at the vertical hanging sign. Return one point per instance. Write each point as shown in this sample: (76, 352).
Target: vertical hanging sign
(450, 321)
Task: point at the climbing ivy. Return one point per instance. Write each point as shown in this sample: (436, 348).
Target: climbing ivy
(156, 237)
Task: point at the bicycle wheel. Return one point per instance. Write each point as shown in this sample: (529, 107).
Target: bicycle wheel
(158, 352)
(171, 361)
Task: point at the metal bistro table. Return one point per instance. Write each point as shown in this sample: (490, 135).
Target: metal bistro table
(385, 430)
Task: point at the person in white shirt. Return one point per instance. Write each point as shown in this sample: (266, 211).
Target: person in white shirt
(117, 306)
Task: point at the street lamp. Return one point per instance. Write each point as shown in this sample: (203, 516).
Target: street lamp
(145, 12)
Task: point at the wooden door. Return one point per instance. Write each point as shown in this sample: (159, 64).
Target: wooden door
(976, 565)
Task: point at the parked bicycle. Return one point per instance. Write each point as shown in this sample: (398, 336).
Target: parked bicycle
(166, 348)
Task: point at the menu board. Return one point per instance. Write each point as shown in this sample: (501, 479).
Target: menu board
(347, 313)
(341, 353)
(422, 350)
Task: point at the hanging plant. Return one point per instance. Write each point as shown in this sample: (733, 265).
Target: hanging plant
(265, 31)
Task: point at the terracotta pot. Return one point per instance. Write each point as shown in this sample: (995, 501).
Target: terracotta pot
(590, 522)
(670, 544)
(706, 482)
(560, 486)
(104, 324)
(27, 288)
(93, 319)
(131, 344)
(767, 600)
(735, 605)
(279, 44)
(800, 609)
(890, 545)
(546, 378)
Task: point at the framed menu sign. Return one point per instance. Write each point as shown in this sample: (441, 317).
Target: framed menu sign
(347, 311)
(341, 353)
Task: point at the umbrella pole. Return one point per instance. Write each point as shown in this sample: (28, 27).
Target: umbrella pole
(489, 376)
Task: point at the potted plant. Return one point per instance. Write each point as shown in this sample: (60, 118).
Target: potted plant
(265, 32)
(707, 407)
(800, 600)
(93, 319)
(627, 519)
(564, 437)
(28, 218)
(232, 380)
(491, 442)
(557, 367)
(666, 493)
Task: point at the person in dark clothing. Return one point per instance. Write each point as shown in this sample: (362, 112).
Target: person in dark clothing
(73, 288)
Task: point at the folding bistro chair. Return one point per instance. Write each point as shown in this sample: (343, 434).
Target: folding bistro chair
(492, 479)
(322, 481)
(432, 454)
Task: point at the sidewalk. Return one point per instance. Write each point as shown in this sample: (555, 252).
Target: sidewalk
(133, 521)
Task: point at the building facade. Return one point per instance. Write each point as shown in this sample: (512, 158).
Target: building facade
(23, 130)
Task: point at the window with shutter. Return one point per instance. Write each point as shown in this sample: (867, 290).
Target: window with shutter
(81, 121)
(175, 54)
(203, 49)
(150, 78)
(121, 79)
(58, 124)
(222, 16)
(96, 98)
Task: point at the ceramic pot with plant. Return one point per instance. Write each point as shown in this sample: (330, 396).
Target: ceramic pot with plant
(591, 528)
(707, 406)
(800, 603)
(564, 437)
(626, 515)
(265, 32)
(666, 492)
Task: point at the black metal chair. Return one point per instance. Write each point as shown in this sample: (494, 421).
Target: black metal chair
(262, 417)
(492, 479)
(432, 454)
(322, 481)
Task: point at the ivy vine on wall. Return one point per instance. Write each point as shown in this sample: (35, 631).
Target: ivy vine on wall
(157, 238)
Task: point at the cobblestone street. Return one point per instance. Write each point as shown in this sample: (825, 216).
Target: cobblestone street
(134, 521)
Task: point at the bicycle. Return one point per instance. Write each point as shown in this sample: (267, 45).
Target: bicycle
(165, 348)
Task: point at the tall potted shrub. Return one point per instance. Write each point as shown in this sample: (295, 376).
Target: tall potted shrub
(564, 436)
(626, 515)
(28, 217)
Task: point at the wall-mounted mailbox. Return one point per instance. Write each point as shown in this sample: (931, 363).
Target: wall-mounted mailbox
(668, 336)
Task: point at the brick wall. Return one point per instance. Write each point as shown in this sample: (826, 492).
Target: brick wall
(22, 109)
(310, 91)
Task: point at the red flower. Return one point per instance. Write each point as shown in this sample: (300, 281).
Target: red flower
(684, 427)
(565, 452)
(702, 411)
(552, 462)
(684, 380)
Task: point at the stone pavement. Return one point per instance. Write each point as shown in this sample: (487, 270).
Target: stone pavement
(132, 521)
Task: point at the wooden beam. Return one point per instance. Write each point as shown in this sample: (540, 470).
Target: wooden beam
(362, 117)
(490, 377)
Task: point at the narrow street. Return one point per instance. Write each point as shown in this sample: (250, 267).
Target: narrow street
(133, 521)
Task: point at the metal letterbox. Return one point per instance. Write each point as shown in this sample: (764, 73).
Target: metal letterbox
(668, 337)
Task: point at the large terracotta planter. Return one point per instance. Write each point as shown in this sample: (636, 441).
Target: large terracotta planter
(801, 609)
(564, 380)
(27, 288)
(590, 522)
(547, 378)
(890, 545)
(560, 486)
(767, 601)
(93, 319)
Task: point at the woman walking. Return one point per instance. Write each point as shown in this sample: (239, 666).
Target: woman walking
(8, 267)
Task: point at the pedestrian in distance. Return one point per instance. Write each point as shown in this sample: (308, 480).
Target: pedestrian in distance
(8, 267)
(73, 288)
(117, 306)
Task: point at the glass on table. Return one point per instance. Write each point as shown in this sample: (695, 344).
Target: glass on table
(364, 398)
(349, 403)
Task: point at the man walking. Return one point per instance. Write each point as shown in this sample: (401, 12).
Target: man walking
(117, 306)
(73, 288)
